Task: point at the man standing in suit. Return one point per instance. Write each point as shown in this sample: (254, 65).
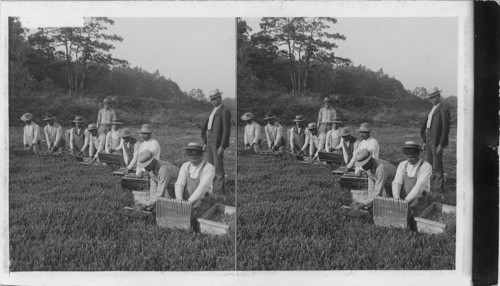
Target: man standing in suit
(434, 133)
(215, 134)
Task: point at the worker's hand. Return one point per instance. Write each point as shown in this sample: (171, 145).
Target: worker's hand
(356, 206)
(346, 170)
(220, 151)
(139, 207)
(439, 149)
(92, 160)
(358, 173)
(423, 147)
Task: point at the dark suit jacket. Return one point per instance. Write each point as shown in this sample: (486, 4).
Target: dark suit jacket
(221, 128)
(440, 126)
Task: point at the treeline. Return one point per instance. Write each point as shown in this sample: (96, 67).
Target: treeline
(68, 71)
(291, 65)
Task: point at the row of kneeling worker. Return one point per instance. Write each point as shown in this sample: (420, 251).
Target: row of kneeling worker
(194, 181)
(412, 180)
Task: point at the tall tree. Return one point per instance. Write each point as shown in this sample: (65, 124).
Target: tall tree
(19, 76)
(82, 47)
(305, 42)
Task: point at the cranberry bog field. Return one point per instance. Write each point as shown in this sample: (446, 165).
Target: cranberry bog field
(286, 218)
(64, 216)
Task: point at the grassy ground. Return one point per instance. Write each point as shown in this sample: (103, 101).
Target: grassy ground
(64, 216)
(286, 219)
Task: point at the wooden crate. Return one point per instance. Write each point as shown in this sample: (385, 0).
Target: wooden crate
(172, 213)
(339, 171)
(426, 224)
(131, 183)
(123, 171)
(335, 157)
(111, 159)
(208, 225)
(390, 212)
(350, 181)
(360, 196)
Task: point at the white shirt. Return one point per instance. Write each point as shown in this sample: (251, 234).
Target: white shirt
(370, 144)
(31, 133)
(112, 135)
(152, 145)
(206, 180)
(274, 133)
(429, 117)
(252, 133)
(53, 134)
(122, 145)
(332, 139)
(316, 141)
(423, 180)
(211, 117)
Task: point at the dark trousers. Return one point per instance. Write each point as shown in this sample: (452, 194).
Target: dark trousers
(436, 160)
(217, 161)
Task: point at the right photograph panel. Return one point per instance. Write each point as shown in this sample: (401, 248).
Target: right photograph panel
(347, 147)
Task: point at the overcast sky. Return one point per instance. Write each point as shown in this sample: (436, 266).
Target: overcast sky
(193, 52)
(417, 51)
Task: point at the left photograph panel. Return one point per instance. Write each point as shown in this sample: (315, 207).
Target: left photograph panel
(122, 153)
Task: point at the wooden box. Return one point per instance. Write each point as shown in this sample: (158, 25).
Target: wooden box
(211, 223)
(350, 181)
(335, 158)
(172, 213)
(111, 159)
(123, 171)
(132, 183)
(360, 196)
(390, 212)
(437, 218)
(339, 171)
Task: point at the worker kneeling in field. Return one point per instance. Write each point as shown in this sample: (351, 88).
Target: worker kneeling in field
(53, 135)
(413, 179)
(113, 138)
(380, 177)
(316, 141)
(369, 143)
(94, 142)
(77, 136)
(251, 138)
(195, 181)
(31, 133)
(128, 145)
(299, 137)
(147, 143)
(163, 176)
(348, 144)
(333, 136)
(275, 133)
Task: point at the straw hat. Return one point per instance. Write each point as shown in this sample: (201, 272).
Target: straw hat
(362, 157)
(78, 119)
(247, 116)
(48, 117)
(125, 132)
(365, 127)
(412, 145)
(269, 115)
(145, 128)
(213, 94)
(344, 131)
(311, 126)
(327, 99)
(105, 100)
(145, 158)
(92, 126)
(194, 146)
(26, 117)
(299, 118)
(434, 92)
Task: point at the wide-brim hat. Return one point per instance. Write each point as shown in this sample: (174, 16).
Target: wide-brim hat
(92, 126)
(145, 158)
(194, 146)
(412, 145)
(78, 119)
(105, 101)
(434, 92)
(213, 94)
(362, 157)
(125, 132)
(299, 118)
(247, 116)
(365, 127)
(312, 126)
(145, 128)
(26, 117)
(269, 116)
(48, 117)
(345, 131)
